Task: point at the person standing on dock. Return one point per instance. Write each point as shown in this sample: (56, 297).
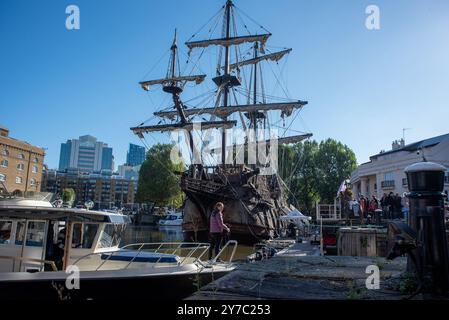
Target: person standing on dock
(216, 229)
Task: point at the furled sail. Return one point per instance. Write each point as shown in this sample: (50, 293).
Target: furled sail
(189, 126)
(294, 139)
(262, 38)
(275, 56)
(223, 112)
(197, 78)
(282, 140)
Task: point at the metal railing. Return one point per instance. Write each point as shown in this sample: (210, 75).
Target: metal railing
(387, 184)
(191, 250)
(25, 259)
(234, 249)
(328, 212)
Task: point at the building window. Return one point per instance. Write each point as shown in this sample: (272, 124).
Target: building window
(5, 152)
(5, 232)
(33, 182)
(19, 179)
(21, 156)
(388, 182)
(36, 160)
(2, 177)
(389, 176)
(34, 170)
(20, 166)
(4, 163)
(446, 177)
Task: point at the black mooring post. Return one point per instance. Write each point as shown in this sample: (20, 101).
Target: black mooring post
(426, 218)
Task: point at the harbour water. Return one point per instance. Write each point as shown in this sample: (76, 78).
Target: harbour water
(139, 234)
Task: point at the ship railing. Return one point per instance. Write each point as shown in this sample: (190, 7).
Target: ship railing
(202, 185)
(188, 252)
(35, 262)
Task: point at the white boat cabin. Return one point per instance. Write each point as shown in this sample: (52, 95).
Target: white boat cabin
(34, 238)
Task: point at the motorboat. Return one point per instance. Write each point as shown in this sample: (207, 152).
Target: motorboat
(43, 248)
(172, 219)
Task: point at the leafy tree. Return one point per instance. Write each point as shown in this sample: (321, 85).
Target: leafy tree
(313, 172)
(335, 162)
(158, 181)
(298, 169)
(68, 196)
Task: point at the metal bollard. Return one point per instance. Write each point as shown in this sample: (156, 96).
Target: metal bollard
(426, 218)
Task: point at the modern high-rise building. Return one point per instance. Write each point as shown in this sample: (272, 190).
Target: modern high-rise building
(135, 155)
(86, 154)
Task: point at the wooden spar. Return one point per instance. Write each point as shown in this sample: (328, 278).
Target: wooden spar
(275, 56)
(223, 112)
(282, 140)
(228, 41)
(189, 126)
(197, 78)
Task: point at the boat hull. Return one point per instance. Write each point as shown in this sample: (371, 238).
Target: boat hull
(144, 287)
(252, 210)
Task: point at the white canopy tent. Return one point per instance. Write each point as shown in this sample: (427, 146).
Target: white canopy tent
(297, 217)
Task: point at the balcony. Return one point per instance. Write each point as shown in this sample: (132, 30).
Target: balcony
(388, 184)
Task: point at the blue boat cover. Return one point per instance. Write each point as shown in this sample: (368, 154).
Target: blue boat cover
(128, 255)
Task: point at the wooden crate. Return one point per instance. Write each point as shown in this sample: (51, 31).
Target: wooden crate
(362, 242)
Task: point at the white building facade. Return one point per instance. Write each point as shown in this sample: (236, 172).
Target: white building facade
(384, 173)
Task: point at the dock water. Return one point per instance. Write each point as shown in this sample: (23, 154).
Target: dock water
(299, 272)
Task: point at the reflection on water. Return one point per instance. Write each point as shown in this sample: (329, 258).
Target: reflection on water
(138, 234)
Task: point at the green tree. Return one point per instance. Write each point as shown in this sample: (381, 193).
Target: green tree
(68, 196)
(313, 172)
(298, 169)
(335, 162)
(159, 178)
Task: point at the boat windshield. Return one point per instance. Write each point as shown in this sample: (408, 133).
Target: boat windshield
(111, 235)
(84, 235)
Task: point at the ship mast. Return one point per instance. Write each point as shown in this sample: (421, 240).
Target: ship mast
(225, 80)
(226, 74)
(173, 84)
(175, 91)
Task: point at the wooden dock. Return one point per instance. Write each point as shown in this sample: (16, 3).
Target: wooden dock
(299, 272)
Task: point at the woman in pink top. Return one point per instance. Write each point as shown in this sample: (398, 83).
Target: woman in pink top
(216, 228)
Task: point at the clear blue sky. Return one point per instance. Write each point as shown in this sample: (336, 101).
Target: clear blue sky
(363, 86)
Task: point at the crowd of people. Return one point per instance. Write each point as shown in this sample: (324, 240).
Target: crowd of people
(388, 207)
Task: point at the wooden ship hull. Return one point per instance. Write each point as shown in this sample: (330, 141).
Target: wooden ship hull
(253, 204)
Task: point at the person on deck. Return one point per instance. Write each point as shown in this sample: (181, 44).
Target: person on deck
(216, 229)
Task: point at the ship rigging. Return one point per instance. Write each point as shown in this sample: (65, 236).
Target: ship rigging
(253, 200)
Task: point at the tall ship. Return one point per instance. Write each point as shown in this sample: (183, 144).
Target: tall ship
(244, 119)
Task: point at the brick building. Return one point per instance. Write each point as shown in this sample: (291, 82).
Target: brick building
(21, 165)
(106, 190)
